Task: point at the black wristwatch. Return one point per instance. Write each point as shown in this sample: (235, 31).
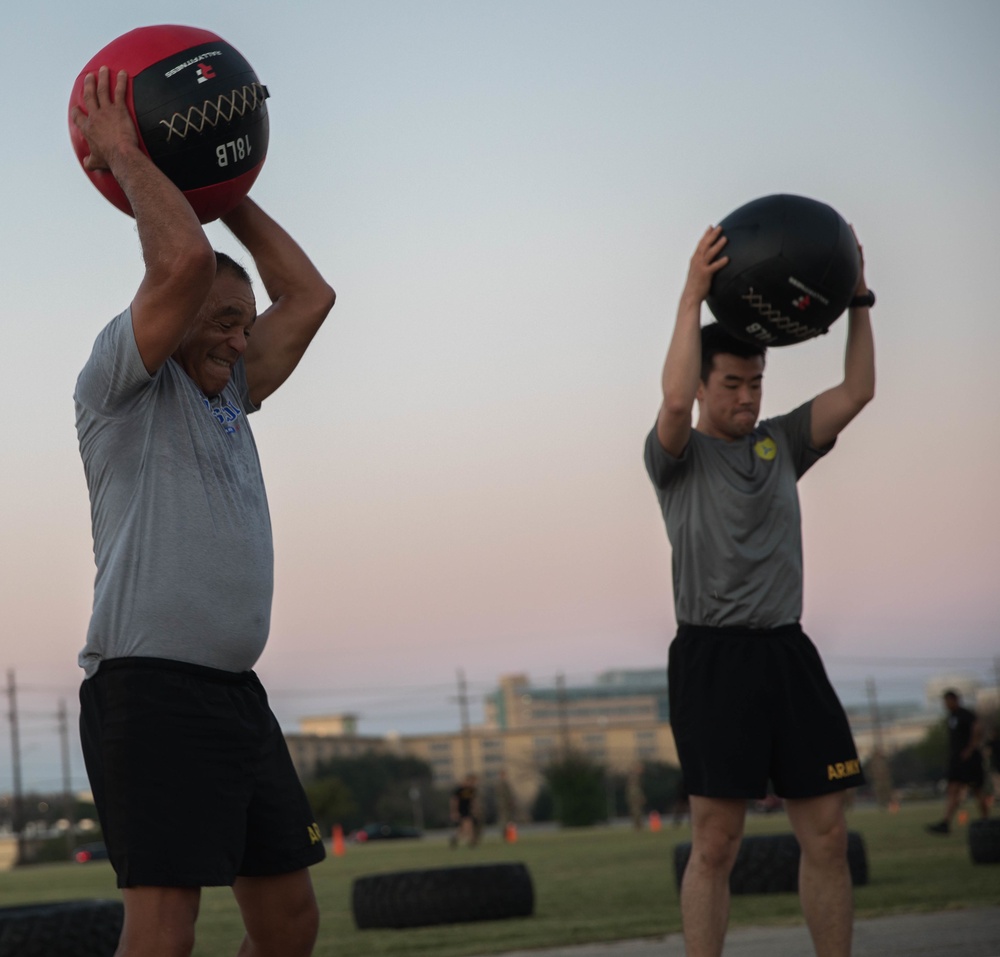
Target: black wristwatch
(863, 302)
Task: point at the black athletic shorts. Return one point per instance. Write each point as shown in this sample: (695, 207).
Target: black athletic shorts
(191, 776)
(970, 771)
(749, 705)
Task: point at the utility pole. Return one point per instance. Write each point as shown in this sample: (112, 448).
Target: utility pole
(875, 718)
(17, 808)
(881, 773)
(563, 714)
(463, 704)
(68, 796)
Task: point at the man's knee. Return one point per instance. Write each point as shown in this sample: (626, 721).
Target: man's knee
(828, 847)
(714, 848)
(823, 838)
(159, 921)
(280, 914)
(717, 829)
(294, 920)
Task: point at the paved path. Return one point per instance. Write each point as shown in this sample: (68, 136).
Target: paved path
(965, 933)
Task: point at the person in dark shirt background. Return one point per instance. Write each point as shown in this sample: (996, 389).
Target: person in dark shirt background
(965, 761)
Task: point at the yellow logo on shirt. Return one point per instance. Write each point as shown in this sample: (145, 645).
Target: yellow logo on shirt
(314, 835)
(766, 449)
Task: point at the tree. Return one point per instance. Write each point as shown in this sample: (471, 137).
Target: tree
(331, 802)
(378, 786)
(923, 762)
(543, 808)
(578, 791)
(661, 783)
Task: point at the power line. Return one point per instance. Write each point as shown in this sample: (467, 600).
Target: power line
(909, 660)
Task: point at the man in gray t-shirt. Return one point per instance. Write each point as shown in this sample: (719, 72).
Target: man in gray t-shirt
(174, 479)
(749, 698)
(189, 769)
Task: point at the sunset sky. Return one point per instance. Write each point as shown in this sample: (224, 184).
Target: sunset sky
(505, 196)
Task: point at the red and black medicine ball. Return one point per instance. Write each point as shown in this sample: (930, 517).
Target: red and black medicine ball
(793, 268)
(199, 110)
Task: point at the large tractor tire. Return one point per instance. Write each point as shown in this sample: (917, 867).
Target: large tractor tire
(984, 841)
(445, 895)
(769, 864)
(82, 928)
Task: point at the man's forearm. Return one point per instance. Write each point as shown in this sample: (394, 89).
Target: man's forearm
(167, 225)
(682, 366)
(284, 267)
(859, 356)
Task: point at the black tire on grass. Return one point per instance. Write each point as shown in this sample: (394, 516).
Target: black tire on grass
(81, 928)
(444, 895)
(984, 841)
(769, 864)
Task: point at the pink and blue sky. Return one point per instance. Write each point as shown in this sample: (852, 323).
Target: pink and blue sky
(506, 195)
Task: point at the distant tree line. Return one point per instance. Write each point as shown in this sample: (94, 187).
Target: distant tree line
(579, 792)
(374, 787)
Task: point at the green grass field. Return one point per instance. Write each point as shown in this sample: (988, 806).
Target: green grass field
(590, 885)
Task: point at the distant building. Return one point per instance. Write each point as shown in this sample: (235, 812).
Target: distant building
(617, 697)
(326, 737)
(617, 721)
(898, 726)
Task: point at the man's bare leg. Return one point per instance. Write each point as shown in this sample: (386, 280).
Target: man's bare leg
(824, 877)
(280, 914)
(716, 831)
(159, 921)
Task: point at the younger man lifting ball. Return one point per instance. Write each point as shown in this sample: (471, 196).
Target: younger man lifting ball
(749, 698)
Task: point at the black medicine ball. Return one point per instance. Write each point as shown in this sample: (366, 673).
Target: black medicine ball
(793, 268)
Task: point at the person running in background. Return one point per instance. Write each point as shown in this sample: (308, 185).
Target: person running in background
(965, 761)
(465, 812)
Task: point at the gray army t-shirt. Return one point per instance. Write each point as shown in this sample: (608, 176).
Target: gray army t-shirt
(732, 515)
(182, 533)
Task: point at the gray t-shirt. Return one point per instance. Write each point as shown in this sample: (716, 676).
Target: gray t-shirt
(182, 533)
(732, 515)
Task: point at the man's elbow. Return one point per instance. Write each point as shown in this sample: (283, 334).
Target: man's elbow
(192, 265)
(858, 393)
(865, 395)
(322, 301)
(676, 408)
(329, 299)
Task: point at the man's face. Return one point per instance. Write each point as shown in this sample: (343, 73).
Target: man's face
(950, 703)
(729, 403)
(219, 335)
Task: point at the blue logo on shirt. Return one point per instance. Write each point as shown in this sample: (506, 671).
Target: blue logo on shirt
(225, 415)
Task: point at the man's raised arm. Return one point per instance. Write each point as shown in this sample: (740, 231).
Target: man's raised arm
(833, 410)
(300, 299)
(682, 368)
(180, 264)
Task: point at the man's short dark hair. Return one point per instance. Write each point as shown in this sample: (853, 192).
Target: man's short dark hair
(715, 340)
(950, 693)
(225, 262)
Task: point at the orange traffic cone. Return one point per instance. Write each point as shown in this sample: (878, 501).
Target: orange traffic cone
(338, 840)
(963, 817)
(654, 821)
